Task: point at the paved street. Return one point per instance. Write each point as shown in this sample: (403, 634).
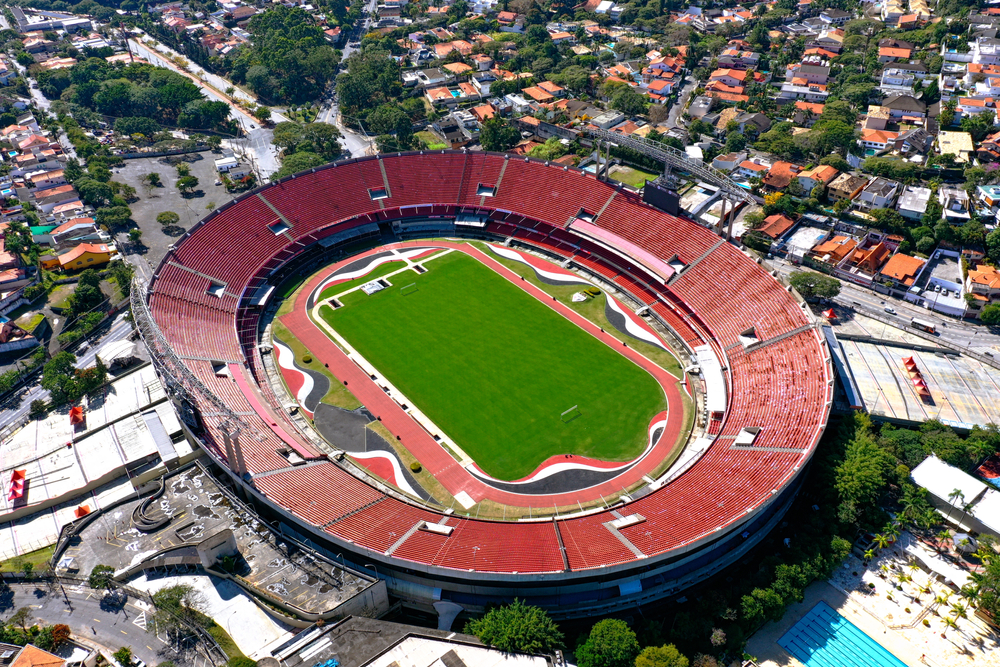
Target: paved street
(17, 409)
(96, 622)
(258, 139)
(675, 111)
(355, 143)
(962, 333)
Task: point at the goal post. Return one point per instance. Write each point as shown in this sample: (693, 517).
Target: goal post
(408, 289)
(571, 414)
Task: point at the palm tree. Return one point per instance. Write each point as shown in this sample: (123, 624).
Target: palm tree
(869, 556)
(892, 530)
(943, 536)
(956, 494)
(913, 566)
(949, 624)
(881, 541)
(958, 610)
(941, 600)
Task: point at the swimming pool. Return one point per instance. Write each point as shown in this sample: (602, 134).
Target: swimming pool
(824, 638)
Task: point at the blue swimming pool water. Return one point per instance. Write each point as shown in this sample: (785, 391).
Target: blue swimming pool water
(824, 638)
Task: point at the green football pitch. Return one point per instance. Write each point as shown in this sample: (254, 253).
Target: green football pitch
(495, 369)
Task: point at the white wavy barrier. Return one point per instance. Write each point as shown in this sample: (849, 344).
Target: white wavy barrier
(397, 471)
(507, 253)
(286, 359)
(371, 266)
(633, 328)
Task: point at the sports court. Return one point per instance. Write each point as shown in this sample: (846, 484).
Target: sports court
(509, 379)
(960, 391)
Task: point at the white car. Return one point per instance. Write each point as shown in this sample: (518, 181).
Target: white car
(890, 310)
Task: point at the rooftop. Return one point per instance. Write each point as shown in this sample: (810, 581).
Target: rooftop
(902, 268)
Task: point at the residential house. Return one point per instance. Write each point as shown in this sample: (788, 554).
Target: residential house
(700, 107)
(834, 250)
(753, 169)
(913, 202)
(483, 112)
(956, 204)
(877, 140)
(775, 226)
(729, 161)
(806, 75)
(917, 140)
(482, 81)
(896, 80)
(876, 119)
(890, 54)
(552, 88)
(831, 40)
(846, 186)
(537, 94)
(660, 90)
(878, 193)
(780, 175)
(806, 113)
(901, 270)
(820, 175)
(983, 283)
(734, 78)
(869, 259)
(973, 106)
(46, 179)
(757, 122)
(958, 144)
(904, 106)
(834, 16)
(86, 255)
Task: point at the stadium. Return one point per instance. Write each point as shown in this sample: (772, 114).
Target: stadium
(585, 463)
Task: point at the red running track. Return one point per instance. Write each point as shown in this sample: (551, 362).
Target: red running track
(430, 453)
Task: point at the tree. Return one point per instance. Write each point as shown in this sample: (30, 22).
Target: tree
(100, 577)
(59, 376)
(20, 618)
(60, 635)
(153, 179)
(296, 162)
(497, 135)
(135, 236)
(810, 284)
(168, 218)
(628, 101)
(993, 245)
(990, 314)
(517, 627)
(178, 605)
(187, 184)
(38, 408)
(183, 169)
(123, 657)
(661, 656)
(611, 643)
(262, 113)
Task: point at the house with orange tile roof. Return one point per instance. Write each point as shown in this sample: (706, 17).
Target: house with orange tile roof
(819, 175)
(901, 270)
(780, 175)
(834, 250)
(537, 94)
(888, 54)
(483, 112)
(86, 255)
(877, 140)
(32, 656)
(870, 259)
(775, 226)
(983, 284)
(458, 68)
(552, 88)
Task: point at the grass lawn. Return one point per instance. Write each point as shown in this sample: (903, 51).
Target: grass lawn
(494, 368)
(632, 177)
(39, 559)
(431, 141)
(377, 272)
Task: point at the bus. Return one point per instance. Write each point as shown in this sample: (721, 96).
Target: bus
(924, 325)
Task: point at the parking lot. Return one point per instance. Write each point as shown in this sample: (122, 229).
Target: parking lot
(166, 197)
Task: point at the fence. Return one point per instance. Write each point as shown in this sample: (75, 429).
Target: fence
(175, 151)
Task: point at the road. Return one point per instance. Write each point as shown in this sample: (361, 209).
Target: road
(257, 142)
(977, 337)
(357, 144)
(19, 409)
(107, 626)
(675, 111)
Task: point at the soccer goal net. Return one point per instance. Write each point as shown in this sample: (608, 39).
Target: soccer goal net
(571, 414)
(408, 289)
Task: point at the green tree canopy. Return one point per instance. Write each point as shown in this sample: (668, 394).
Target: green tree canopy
(991, 314)
(810, 284)
(497, 135)
(611, 643)
(661, 656)
(167, 218)
(517, 627)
